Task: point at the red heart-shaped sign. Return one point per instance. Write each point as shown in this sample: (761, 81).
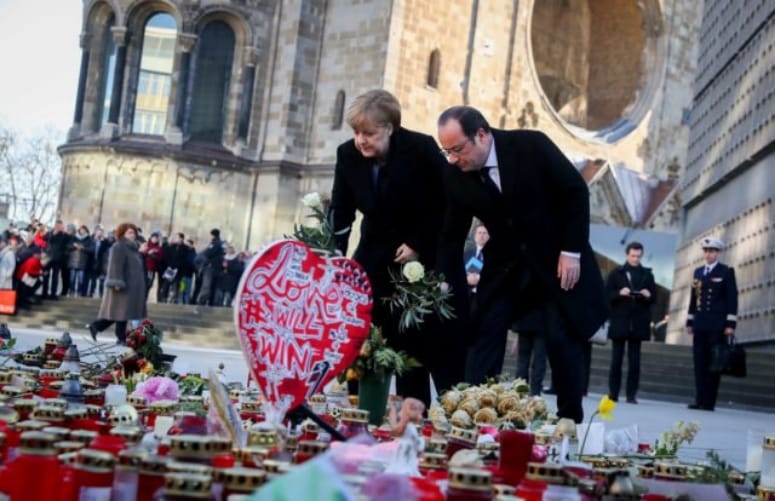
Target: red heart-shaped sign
(301, 319)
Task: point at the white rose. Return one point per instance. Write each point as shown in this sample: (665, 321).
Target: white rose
(414, 271)
(312, 200)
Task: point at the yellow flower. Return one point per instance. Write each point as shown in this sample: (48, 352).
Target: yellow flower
(606, 407)
(147, 368)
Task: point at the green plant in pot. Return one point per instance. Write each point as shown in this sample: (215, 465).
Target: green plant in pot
(373, 368)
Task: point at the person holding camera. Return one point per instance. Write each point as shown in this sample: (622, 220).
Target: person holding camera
(631, 291)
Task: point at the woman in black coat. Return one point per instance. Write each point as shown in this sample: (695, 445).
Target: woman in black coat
(393, 177)
(630, 289)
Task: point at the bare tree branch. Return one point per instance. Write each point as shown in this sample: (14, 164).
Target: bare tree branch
(32, 172)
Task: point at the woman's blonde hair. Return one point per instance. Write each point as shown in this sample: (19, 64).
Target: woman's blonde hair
(377, 106)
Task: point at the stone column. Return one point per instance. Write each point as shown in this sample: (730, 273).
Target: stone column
(75, 130)
(177, 102)
(249, 62)
(112, 128)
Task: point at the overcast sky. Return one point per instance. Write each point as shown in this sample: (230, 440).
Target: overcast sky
(39, 63)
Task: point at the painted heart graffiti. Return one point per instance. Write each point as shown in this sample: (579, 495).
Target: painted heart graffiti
(301, 319)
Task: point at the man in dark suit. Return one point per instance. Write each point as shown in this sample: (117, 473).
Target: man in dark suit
(536, 207)
(393, 177)
(631, 291)
(712, 317)
(473, 258)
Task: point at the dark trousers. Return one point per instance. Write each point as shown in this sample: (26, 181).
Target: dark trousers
(59, 270)
(163, 291)
(487, 350)
(532, 348)
(103, 323)
(705, 382)
(565, 353)
(633, 367)
(441, 357)
(206, 295)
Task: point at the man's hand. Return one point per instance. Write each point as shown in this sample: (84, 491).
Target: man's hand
(472, 279)
(568, 271)
(624, 291)
(404, 254)
(645, 293)
(729, 331)
(689, 331)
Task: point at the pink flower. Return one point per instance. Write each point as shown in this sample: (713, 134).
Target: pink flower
(157, 388)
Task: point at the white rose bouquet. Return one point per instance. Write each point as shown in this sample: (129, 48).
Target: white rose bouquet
(319, 236)
(418, 293)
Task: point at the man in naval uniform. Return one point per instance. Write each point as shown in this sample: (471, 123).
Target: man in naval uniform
(712, 317)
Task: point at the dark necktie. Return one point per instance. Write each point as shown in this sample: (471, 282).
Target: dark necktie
(707, 270)
(479, 255)
(484, 172)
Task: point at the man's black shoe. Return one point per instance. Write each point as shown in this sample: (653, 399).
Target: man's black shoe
(632, 400)
(695, 406)
(550, 391)
(615, 399)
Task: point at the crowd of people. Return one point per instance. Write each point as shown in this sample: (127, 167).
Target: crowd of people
(42, 263)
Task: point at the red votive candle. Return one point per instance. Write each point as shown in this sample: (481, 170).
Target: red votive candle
(515, 452)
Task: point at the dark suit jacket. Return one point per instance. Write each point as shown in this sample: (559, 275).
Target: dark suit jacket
(406, 207)
(543, 210)
(630, 316)
(713, 301)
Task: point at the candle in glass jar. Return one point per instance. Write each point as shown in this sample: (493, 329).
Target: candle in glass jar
(753, 456)
(768, 462)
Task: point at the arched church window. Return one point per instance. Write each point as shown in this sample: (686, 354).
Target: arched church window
(336, 123)
(434, 65)
(108, 71)
(153, 83)
(212, 77)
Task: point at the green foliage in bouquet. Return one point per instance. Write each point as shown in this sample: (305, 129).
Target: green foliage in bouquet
(418, 293)
(321, 235)
(379, 359)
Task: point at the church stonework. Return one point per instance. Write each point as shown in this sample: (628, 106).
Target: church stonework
(213, 113)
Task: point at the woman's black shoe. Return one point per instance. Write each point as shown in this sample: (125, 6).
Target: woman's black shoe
(92, 331)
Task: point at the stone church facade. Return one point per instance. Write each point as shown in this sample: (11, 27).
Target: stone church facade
(193, 114)
(200, 113)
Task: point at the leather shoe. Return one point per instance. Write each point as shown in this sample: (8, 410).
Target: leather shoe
(695, 406)
(92, 331)
(632, 400)
(615, 399)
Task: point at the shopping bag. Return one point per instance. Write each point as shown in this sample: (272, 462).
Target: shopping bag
(601, 335)
(7, 301)
(728, 358)
(170, 273)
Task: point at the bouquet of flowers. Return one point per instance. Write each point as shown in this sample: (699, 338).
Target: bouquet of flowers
(418, 293)
(321, 235)
(670, 441)
(377, 358)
